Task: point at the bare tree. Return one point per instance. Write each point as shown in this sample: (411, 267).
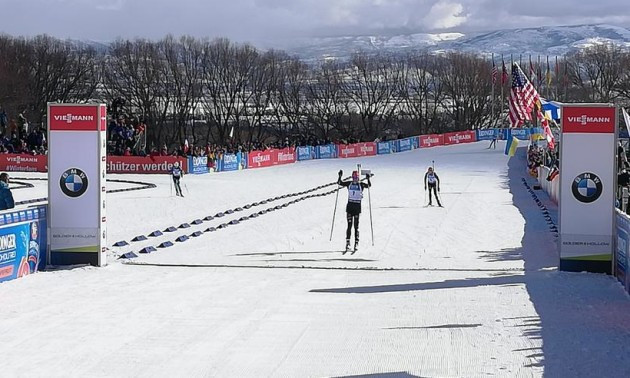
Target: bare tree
(597, 73)
(183, 70)
(290, 109)
(226, 71)
(423, 91)
(134, 71)
(263, 84)
(325, 98)
(467, 90)
(43, 69)
(373, 88)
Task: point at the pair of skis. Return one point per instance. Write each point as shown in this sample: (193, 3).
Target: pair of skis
(352, 251)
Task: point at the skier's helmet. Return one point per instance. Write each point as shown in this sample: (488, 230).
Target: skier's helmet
(355, 176)
(176, 164)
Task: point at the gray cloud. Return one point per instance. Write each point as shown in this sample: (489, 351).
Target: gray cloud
(271, 20)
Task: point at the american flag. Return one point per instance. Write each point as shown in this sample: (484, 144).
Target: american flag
(523, 97)
(504, 74)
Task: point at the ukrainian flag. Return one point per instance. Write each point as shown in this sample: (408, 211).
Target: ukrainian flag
(537, 133)
(510, 146)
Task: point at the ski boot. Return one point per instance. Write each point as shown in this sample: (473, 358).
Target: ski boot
(347, 247)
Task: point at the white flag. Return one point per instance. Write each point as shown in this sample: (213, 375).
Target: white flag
(626, 117)
(232, 132)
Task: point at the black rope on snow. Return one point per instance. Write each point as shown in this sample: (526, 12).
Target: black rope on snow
(143, 185)
(184, 238)
(221, 214)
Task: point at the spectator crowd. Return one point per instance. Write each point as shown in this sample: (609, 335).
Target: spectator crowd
(17, 136)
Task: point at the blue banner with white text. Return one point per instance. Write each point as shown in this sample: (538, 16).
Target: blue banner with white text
(406, 144)
(22, 242)
(231, 162)
(328, 151)
(383, 148)
(487, 134)
(198, 165)
(305, 153)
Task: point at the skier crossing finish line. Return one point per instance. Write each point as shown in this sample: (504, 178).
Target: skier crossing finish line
(353, 208)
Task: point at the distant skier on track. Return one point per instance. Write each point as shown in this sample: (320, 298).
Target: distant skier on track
(353, 209)
(177, 174)
(433, 181)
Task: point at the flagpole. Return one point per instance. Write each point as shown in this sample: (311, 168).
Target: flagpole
(492, 93)
(502, 85)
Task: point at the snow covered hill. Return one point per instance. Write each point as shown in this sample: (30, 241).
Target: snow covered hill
(552, 40)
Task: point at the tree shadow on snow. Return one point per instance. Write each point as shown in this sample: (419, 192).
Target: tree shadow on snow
(583, 319)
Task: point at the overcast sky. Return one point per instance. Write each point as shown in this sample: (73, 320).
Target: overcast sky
(261, 21)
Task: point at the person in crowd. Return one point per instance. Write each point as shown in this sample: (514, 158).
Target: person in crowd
(6, 197)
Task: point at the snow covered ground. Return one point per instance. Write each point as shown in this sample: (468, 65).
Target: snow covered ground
(462, 291)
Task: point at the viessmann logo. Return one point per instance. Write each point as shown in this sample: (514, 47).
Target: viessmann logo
(69, 118)
(585, 120)
(261, 158)
(22, 159)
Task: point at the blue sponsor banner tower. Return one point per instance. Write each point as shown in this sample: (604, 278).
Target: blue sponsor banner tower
(23, 242)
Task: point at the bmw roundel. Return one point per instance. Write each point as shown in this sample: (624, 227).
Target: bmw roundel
(587, 187)
(73, 182)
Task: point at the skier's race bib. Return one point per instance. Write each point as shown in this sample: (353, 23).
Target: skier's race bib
(355, 194)
(431, 178)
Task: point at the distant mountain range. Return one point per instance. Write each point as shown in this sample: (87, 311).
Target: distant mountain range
(552, 40)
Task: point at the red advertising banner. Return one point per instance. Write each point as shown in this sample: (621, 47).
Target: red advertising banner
(285, 156)
(357, 149)
(74, 118)
(23, 163)
(589, 119)
(268, 158)
(431, 140)
(145, 165)
(460, 137)
(259, 159)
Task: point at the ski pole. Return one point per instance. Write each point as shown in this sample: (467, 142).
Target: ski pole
(371, 225)
(171, 180)
(186, 186)
(334, 213)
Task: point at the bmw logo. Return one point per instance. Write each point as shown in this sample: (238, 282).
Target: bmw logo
(587, 187)
(73, 182)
